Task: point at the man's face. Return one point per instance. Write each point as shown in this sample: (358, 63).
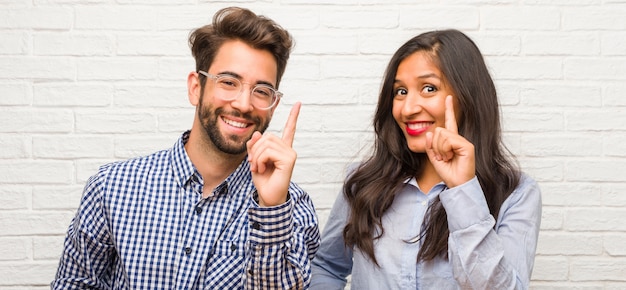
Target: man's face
(230, 124)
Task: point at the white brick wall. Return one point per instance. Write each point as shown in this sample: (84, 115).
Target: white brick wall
(87, 82)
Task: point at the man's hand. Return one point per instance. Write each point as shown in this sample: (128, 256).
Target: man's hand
(272, 160)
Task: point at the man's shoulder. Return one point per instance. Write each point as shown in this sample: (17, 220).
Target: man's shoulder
(146, 163)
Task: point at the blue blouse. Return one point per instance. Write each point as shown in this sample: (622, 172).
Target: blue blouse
(480, 256)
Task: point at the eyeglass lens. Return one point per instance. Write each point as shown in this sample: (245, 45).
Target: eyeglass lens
(262, 96)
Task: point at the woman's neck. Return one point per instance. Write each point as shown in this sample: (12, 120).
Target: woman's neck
(428, 178)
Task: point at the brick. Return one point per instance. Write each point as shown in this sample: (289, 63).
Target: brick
(115, 122)
(550, 269)
(176, 69)
(15, 249)
(520, 18)
(37, 68)
(336, 145)
(28, 273)
(328, 43)
(361, 19)
(151, 96)
(180, 17)
(523, 120)
(595, 219)
(14, 146)
(323, 195)
(48, 248)
(32, 121)
(614, 195)
(603, 171)
(612, 119)
(23, 223)
(15, 94)
(552, 218)
(569, 244)
(115, 18)
(593, 18)
(72, 146)
(594, 269)
(427, 17)
(74, 44)
(495, 43)
(86, 168)
(613, 43)
(307, 19)
(72, 94)
(561, 43)
(560, 145)
(595, 69)
(36, 172)
(614, 145)
(523, 68)
(565, 286)
(118, 68)
(300, 68)
(14, 197)
(558, 94)
(146, 44)
(334, 92)
(383, 42)
(175, 120)
(14, 43)
(339, 67)
(614, 244)
(130, 147)
(613, 95)
(36, 18)
(65, 197)
(572, 194)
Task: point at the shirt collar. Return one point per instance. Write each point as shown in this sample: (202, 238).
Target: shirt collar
(184, 169)
(439, 187)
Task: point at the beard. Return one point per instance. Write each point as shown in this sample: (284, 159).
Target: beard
(229, 144)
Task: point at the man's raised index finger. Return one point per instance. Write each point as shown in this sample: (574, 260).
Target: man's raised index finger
(290, 128)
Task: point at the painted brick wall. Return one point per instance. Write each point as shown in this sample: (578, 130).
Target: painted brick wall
(87, 82)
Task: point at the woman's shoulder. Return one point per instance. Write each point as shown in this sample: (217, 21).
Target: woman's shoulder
(527, 192)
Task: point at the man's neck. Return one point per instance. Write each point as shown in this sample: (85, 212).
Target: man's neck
(213, 165)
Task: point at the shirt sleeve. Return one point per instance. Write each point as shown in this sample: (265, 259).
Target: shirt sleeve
(88, 250)
(486, 258)
(283, 241)
(333, 262)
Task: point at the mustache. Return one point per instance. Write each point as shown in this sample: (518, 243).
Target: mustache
(238, 114)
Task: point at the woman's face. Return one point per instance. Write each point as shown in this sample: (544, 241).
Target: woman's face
(420, 91)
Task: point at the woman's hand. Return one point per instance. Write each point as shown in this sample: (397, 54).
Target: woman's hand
(452, 155)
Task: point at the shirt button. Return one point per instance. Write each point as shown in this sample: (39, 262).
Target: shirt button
(198, 210)
(256, 226)
(188, 251)
(424, 203)
(233, 247)
(250, 272)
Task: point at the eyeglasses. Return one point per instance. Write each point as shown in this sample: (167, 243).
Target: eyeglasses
(229, 88)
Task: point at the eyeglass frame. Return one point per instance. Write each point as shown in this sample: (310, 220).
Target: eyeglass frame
(277, 94)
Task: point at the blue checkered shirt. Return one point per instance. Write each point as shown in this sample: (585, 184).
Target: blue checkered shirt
(143, 224)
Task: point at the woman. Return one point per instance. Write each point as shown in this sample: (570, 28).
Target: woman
(438, 205)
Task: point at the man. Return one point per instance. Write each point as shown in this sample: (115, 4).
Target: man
(218, 210)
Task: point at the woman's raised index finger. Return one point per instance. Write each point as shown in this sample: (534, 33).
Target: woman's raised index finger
(290, 128)
(450, 116)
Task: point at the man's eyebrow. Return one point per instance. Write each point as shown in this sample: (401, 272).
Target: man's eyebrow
(239, 77)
